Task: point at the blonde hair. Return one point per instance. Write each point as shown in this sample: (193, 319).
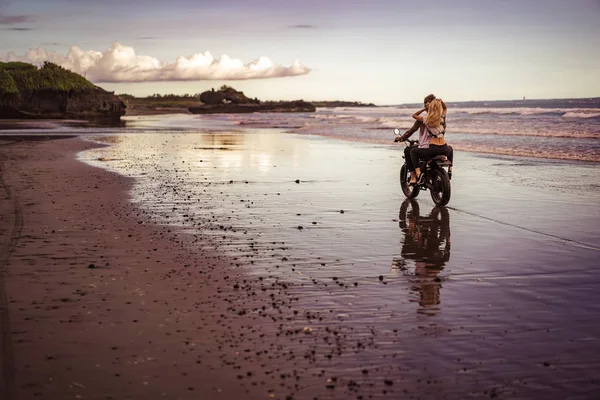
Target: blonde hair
(434, 113)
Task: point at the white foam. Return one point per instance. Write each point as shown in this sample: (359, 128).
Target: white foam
(582, 114)
(527, 111)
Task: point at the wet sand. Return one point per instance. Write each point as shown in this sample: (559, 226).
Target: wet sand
(100, 303)
(279, 266)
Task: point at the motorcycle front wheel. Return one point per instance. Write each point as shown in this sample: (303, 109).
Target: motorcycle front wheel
(440, 186)
(410, 191)
(409, 211)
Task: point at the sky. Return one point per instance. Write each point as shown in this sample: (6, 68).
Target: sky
(380, 51)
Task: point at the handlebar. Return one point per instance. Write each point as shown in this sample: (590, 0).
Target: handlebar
(410, 142)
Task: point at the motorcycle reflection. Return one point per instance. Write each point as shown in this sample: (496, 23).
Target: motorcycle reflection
(425, 251)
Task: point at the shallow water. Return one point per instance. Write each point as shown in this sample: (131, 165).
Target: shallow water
(560, 129)
(497, 294)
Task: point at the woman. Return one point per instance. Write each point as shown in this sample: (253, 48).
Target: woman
(409, 165)
(431, 138)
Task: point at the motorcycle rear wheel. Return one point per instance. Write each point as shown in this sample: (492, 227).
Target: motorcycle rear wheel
(410, 191)
(440, 186)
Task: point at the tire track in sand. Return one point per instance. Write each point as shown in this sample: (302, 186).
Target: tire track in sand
(7, 246)
(564, 239)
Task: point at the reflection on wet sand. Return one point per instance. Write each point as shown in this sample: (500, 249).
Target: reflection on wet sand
(106, 139)
(425, 250)
(221, 142)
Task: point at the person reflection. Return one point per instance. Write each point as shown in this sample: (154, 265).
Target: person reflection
(427, 243)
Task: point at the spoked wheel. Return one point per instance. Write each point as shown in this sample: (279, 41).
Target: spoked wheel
(410, 191)
(440, 186)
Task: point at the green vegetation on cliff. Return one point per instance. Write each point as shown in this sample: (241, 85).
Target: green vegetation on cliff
(18, 77)
(7, 83)
(159, 101)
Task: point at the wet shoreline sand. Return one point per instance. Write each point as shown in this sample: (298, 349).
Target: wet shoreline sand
(98, 308)
(507, 311)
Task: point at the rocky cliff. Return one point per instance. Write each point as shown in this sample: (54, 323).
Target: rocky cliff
(53, 92)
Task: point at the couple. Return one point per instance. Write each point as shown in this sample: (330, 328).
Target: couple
(431, 137)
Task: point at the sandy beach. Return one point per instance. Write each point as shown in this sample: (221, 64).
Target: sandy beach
(266, 265)
(96, 305)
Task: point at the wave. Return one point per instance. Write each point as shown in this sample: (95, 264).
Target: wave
(515, 151)
(527, 111)
(498, 131)
(526, 152)
(579, 114)
(523, 131)
(521, 111)
(394, 117)
(392, 122)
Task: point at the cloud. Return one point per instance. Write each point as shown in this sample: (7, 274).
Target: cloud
(302, 26)
(121, 64)
(13, 19)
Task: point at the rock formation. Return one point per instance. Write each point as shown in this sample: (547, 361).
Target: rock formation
(53, 92)
(225, 95)
(229, 101)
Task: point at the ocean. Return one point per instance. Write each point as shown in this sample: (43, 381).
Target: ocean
(553, 129)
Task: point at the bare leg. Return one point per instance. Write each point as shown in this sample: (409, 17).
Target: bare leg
(413, 177)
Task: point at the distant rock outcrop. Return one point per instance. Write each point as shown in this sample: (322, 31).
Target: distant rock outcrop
(229, 101)
(339, 103)
(53, 92)
(225, 95)
(275, 106)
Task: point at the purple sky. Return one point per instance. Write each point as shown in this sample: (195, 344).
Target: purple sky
(378, 51)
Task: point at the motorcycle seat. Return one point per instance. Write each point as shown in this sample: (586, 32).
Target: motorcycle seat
(439, 158)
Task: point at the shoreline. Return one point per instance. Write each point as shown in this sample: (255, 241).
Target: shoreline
(104, 303)
(76, 326)
(525, 145)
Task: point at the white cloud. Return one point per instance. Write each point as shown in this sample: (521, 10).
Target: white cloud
(121, 64)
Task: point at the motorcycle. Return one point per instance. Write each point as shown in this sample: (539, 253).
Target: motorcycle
(436, 177)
